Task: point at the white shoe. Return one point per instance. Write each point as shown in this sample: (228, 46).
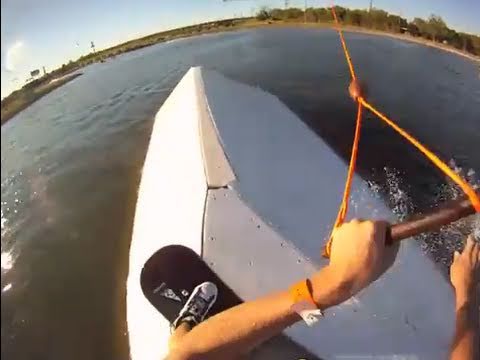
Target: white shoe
(198, 304)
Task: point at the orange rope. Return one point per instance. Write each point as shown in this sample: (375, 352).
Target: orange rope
(342, 212)
(351, 168)
(344, 44)
(465, 186)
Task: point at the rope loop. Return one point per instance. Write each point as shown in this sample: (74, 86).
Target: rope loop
(362, 103)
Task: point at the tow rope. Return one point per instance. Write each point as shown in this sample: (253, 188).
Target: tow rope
(362, 103)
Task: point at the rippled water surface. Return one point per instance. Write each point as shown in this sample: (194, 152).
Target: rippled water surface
(71, 163)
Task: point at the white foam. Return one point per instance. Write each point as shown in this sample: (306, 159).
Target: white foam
(442, 244)
(3, 222)
(7, 261)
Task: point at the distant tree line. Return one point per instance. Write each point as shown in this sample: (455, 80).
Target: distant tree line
(434, 28)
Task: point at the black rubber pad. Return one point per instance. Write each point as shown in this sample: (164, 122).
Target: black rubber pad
(171, 274)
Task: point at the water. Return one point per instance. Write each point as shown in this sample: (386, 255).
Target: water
(71, 163)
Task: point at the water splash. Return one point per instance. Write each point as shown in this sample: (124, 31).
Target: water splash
(4, 221)
(438, 245)
(452, 237)
(395, 191)
(476, 227)
(10, 206)
(6, 257)
(401, 202)
(7, 261)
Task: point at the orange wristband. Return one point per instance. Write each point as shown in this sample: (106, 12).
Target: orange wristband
(303, 303)
(301, 291)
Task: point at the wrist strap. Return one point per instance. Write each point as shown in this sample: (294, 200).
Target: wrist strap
(303, 303)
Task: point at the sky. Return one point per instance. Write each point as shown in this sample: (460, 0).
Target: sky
(37, 33)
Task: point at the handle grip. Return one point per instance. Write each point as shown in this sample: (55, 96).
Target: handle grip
(419, 224)
(448, 213)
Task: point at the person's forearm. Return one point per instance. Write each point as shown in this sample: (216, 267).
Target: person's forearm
(466, 341)
(240, 329)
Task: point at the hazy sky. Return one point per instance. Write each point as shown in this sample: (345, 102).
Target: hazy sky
(36, 33)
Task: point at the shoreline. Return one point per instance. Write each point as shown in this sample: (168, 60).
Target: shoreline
(416, 40)
(21, 99)
(354, 29)
(28, 97)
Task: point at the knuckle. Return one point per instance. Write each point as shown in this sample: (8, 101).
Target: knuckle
(369, 225)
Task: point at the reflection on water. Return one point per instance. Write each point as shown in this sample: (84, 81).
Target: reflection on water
(71, 164)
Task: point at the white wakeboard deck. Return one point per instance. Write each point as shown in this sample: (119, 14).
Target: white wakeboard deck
(288, 180)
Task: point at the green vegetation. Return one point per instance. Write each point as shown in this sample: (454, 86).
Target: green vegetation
(432, 31)
(150, 40)
(31, 92)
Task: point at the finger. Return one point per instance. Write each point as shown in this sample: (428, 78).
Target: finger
(456, 254)
(357, 221)
(334, 232)
(468, 246)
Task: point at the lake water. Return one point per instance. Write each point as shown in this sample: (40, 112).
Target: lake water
(72, 161)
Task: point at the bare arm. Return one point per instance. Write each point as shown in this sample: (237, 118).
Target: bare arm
(464, 274)
(240, 329)
(358, 257)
